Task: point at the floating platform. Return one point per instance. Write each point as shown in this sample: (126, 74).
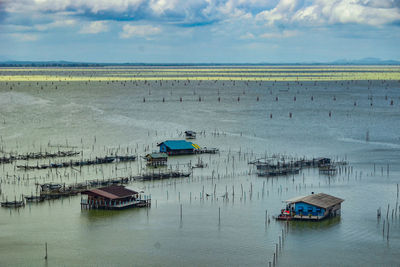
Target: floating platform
(39, 155)
(163, 175)
(281, 166)
(104, 160)
(279, 172)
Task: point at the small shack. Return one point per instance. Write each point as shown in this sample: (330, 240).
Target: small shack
(113, 197)
(321, 161)
(178, 147)
(190, 134)
(156, 159)
(312, 207)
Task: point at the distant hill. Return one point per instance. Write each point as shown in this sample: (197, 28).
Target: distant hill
(49, 64)
(364, 61)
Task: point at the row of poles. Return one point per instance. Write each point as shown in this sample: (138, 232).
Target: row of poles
(279, 245)
(386, 221)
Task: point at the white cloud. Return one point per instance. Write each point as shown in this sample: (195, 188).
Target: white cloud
(129, 31)
(106, 5)
(281, 12)
(55, 24)
(160, 6)
(361, 12)
(95, 27)
(25, 37)
(283, 34)
(239, 16)
(322, 12)
(94, 6)
(248, 35)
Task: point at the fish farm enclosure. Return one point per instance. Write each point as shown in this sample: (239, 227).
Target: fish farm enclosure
(261, 130)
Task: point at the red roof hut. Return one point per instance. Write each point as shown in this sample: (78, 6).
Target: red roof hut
(113, 197)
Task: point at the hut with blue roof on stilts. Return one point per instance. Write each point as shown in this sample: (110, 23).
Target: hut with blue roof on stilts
(314, 207)
(178, 147)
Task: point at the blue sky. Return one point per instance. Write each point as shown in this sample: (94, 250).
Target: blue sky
(199, 31)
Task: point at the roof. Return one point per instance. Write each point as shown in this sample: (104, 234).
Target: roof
(320, 200)
(157, 155)
(179, 144)
(112, 192)
(293, 199)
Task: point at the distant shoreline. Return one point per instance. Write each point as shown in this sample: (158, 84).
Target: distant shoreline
(105, 64)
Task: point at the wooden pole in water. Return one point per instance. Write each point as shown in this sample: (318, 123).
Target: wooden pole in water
(387, 213)
(273, 260)
(45, 257)
(383, 228)
(387, 237)
(219, 215)
(280, 244)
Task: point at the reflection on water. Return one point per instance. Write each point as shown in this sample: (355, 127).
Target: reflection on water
(98, 215)
(304, 226)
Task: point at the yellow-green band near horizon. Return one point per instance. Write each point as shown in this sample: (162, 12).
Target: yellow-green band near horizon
(303, 77)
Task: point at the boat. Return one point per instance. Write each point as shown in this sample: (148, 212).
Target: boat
(200, 164)
(284, 215)
(126, 158)
(50, 187)
(190, 134)
(13, 204)
(33, 198)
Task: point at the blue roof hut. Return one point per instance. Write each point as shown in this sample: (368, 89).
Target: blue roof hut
(312, 207)
(178, 147)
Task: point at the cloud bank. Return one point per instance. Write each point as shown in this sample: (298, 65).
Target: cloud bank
(188, 28)
(129, 31)
(316, 12)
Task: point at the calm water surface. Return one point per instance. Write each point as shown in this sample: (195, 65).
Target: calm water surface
(99, 118)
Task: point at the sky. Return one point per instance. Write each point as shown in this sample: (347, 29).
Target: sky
(199, 31)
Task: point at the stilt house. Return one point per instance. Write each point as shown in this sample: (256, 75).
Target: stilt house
(178, 147)
(312, 207)
(113, 197)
